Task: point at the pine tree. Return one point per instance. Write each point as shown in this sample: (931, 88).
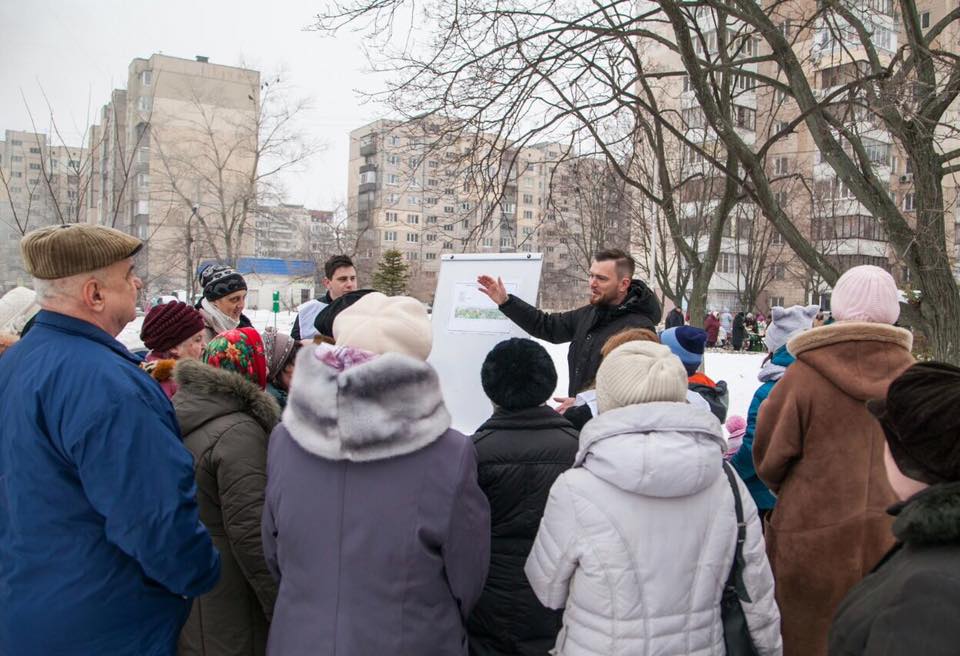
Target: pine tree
(392, 274)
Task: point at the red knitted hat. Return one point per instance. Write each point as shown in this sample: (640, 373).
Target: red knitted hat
(166, 326)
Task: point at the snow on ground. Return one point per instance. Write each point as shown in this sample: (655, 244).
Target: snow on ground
(738, 369)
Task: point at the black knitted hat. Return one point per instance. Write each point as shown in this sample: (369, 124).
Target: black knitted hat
(921, 422)
(517, 374)
(219, 280)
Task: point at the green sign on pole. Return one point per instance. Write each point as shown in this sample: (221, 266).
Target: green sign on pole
(276, 302)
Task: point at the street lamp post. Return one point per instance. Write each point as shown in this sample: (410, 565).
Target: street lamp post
(191, 278)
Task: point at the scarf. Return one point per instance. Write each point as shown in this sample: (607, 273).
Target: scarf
(221, 322)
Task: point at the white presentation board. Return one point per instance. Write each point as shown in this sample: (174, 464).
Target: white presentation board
(467, 324)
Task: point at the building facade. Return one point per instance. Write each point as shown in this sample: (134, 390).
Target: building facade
(414, 189)
(44, 184)
(175, 157)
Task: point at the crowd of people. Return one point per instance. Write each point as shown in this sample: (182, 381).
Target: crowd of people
(243, 493)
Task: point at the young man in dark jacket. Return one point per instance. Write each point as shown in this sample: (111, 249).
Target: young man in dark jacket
(617, 302)
(339, 277)
(910, 602)
(521, 450)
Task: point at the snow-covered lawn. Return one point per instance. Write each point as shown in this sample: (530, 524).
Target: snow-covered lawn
(738, 369)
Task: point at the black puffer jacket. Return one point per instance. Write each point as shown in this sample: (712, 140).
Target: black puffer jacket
(910, 602)
(520, 454)
(226, 421)
(586, 328)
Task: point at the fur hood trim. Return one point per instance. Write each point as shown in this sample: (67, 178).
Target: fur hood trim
(849, 331)
(386, 407)
(930, 517)
(193, 376)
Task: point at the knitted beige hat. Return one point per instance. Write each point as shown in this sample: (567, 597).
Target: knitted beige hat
(62, 251)
(385, 324)
(640, 372)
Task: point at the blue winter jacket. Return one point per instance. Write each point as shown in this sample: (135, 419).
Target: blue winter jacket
(743, 459)
(101, 546)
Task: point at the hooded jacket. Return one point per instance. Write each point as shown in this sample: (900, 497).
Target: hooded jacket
(909, 604)
(521, 453)
(586, 328)
(638, 539)
(821, 452)
(742, 460)
(226, 420)
(374, 525)
(160, 369)
(101, 545)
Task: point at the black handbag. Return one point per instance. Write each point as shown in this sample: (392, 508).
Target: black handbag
(736, 633)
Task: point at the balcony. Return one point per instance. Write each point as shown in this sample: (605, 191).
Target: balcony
(367, 187)
(366, 150)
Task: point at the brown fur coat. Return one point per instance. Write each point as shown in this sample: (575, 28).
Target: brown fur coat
(820, 451)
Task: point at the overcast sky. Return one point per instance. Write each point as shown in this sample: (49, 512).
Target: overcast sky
(78, 50)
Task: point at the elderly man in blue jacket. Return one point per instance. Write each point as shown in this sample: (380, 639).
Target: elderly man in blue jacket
(101, 546)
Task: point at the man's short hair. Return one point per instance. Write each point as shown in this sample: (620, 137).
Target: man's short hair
(336, 262)
(624, 262)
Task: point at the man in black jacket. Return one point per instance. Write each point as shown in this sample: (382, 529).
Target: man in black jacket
(521, 450)
(617, 302)
(675, 318)
(339, 277)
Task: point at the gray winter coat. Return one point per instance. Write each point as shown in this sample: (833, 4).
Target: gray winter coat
(374, 524)
(226, 420)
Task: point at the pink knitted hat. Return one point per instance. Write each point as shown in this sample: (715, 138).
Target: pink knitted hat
(736, 426)
(866, 293)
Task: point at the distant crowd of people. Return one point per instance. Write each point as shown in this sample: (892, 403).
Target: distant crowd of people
(240, 492)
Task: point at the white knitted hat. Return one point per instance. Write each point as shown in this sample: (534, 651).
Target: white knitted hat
(385, 324)
(640, 372)
(17, 307)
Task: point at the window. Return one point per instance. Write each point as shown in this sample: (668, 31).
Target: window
(146, 78)
(448, 245)
(411, 256)
(687, 86)
(413, 162)
(17, 174)
(448, 227)
(780, 126)
(430, 201)
(413, 200)
(143, 180)
(745, 117)
(448, 209)
(775, 301)
(16, 142)
(432, 163)
(488, 242)
(413, 219)
(431, 219)
(784, 28)
(393, 159)
(389, 235)
(727, 263)
(776, 239)
(528, 199)
(465, 206)
(909, 201)
(394, 140)
(34, 166)
(925, 20)
(431, 182)
(368, 177)
(145, 103)
(34, 150)
(393, 179)
(412, 238)
(431, 237)
(143, 207)
(693, 117)
(504, 242)
(430, 256)
(16, 158)
(778, 271)
(528, 214)
(466, 223)
(781, 165)
(392, 217)
(393, 199)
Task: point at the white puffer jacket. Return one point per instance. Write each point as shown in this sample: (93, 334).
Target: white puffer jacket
(638, 539)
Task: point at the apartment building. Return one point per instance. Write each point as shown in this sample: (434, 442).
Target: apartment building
(174, 156)
(417, 190)
(45, 184)
(821, 206)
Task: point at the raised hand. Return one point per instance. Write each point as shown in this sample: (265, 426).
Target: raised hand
(493, 288)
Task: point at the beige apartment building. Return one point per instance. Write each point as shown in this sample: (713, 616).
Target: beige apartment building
(752, 253)
(45, 184)
(412, 190)
(175, 157)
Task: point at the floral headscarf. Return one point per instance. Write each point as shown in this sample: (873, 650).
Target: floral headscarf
(241, 351)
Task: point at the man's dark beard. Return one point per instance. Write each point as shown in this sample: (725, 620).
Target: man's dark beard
(603, 301)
